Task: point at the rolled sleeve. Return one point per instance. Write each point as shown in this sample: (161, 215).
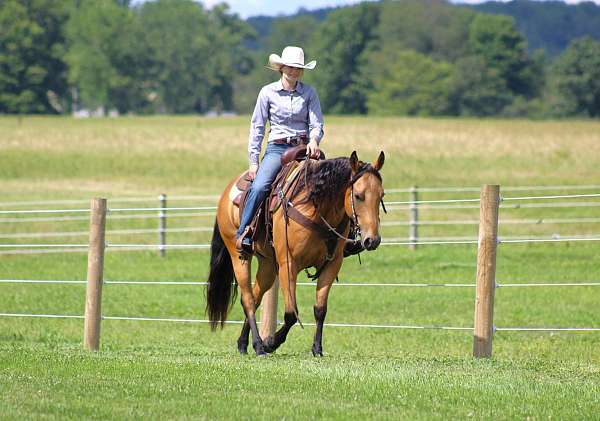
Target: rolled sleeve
(260, 116)
(315, 117)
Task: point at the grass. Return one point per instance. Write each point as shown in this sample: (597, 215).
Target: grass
(179, 370)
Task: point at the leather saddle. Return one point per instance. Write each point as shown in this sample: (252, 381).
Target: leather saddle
(286, 178)
(242, 185)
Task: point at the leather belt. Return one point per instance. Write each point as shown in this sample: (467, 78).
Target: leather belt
(292, 140)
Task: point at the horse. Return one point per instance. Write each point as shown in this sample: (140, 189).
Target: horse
(331, 195)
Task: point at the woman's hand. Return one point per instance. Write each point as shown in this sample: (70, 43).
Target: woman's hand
(312, 149)
(252, 171)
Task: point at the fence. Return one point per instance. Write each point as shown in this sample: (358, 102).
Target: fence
(483, 328)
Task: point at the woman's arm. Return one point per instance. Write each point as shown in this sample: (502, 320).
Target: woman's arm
(260, 116)
(315, 125)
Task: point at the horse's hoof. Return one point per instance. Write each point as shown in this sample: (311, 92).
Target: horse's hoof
(269, 345)
(259, 348)
(242, 348)
(317, 352)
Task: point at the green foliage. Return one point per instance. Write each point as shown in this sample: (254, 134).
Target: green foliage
(409, 83)
(175, 56)
(32, 71)
(504, 50)
(549, 25)
(166, 56)
(478, 89)
(103, 56)
(431, 27)
(341, 45)
(576, 79)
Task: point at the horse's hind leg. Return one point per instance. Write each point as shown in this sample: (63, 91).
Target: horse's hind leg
(265, 276)
(242, 274)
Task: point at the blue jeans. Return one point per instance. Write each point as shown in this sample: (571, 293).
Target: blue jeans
(261, 186)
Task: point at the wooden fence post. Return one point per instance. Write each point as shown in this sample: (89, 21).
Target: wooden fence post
(413, 230)
(93, 295)
(486, 271)
(268, 312)
(162, 225)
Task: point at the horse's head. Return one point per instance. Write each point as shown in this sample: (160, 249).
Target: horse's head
(363, 197)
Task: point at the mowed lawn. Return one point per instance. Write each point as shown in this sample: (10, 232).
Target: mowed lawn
(161, 370)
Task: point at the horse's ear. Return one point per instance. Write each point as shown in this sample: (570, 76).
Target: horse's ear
(354, 161)
(379, 163)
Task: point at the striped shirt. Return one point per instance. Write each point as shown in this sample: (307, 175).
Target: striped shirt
(289, 114)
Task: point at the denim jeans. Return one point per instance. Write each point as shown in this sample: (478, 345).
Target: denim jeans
(261, 186)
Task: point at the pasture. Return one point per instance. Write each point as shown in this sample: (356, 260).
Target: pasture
(151, 369)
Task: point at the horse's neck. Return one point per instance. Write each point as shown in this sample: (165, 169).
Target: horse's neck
(334, 214)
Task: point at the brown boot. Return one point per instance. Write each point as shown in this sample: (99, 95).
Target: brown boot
(244, 244)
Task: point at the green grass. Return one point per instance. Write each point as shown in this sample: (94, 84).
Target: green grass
(182, 370)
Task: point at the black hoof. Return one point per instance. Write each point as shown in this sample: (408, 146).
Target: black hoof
(317, 352)
(259, 348)
(242, 347)
(269, 345)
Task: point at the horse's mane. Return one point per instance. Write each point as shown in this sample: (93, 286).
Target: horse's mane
(326, 180)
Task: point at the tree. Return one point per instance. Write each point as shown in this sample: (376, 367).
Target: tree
(478, 90)
(503, 49)
(32, 70)
(341, 46)
(410, 83)
(104, 57)
(229, 59)
(195, 55)
(430, 27)
(575, 79)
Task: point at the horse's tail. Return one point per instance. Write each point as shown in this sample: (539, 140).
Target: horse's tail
(220, 292)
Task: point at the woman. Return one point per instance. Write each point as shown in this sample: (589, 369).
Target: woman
(293, 111)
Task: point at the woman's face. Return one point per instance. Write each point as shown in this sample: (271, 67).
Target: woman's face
(292, 74)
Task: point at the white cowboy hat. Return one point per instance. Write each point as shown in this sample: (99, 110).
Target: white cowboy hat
(292, 57)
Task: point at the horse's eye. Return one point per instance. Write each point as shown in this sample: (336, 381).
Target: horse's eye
(359, 196)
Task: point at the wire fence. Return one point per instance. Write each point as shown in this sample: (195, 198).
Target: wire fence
(430, 204)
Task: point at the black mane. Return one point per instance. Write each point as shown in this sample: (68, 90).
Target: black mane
(326, 181)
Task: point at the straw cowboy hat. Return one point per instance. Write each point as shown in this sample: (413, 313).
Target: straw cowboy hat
(292, 57)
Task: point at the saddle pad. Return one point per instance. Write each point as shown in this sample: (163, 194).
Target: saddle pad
(240, 186)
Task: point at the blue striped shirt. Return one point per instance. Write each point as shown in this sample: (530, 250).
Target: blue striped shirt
(289, 114)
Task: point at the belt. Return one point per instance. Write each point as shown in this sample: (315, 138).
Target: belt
(292, 140)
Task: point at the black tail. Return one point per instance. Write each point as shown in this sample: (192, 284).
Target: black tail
(220, 292)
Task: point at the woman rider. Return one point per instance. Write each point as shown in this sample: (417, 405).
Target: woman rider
(293, 111)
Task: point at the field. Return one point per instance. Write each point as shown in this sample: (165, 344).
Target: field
(164, 370)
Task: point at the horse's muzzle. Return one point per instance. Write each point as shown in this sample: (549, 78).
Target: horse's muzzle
(371, 243)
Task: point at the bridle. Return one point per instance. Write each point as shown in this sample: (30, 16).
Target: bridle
(354, 218)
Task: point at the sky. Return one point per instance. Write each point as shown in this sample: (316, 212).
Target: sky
(247, 8)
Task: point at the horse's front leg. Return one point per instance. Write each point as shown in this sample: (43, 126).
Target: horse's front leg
(287, 284)
(320, 309)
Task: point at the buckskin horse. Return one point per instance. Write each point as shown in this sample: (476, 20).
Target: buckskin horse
(310, 228)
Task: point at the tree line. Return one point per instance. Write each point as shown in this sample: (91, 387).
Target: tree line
(411, 57)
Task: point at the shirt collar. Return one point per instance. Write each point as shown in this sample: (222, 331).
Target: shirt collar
(299, 86)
